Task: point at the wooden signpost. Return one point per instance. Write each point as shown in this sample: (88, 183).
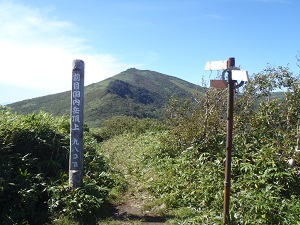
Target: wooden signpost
(231, 84)
(76, 125)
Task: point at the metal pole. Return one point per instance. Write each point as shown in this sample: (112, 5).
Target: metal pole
(76, 125)
(226, 216)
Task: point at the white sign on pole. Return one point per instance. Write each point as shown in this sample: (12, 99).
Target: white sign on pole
(216, 65)
(240, 75)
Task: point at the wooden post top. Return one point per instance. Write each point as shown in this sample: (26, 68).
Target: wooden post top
(78, 64)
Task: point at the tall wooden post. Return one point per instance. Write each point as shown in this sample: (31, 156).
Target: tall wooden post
(76, 125)
(231, 84)
(226, 216)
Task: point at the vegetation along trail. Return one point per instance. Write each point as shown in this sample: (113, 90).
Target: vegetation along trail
(160, 171)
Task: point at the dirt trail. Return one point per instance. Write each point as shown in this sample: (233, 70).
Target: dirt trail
(132, 211)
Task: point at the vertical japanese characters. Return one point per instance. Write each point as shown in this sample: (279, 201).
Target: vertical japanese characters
(76, 117)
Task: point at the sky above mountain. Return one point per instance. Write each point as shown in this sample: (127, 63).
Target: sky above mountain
(40, 39)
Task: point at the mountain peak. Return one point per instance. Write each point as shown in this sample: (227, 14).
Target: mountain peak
(138, 93)
(131, 69)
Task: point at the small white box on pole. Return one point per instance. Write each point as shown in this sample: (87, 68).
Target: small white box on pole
(240, 75)
(216, 65)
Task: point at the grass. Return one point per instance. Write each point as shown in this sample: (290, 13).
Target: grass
(132, 155)
(126, 154)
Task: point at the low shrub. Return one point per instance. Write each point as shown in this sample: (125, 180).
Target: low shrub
(34, 172)
(126, 124)
(189, 167)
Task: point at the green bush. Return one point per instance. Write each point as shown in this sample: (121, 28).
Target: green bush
(190, 164)
(126, 124)
(33, 153)
(84, 204)
(88, 203)
(198, 124)
(34, 172)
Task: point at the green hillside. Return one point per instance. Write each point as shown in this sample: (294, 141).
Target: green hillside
(138, 93)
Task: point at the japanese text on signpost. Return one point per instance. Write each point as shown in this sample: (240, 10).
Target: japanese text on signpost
(76, 127)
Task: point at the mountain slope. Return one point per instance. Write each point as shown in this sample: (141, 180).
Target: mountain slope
(139, 93)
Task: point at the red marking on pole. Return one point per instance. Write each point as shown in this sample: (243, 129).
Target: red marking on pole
(217, 84)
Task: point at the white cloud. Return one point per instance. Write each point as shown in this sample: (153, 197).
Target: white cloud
(49, 67)
(37, 51)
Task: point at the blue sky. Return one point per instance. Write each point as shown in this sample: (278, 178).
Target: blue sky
(40, 39)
